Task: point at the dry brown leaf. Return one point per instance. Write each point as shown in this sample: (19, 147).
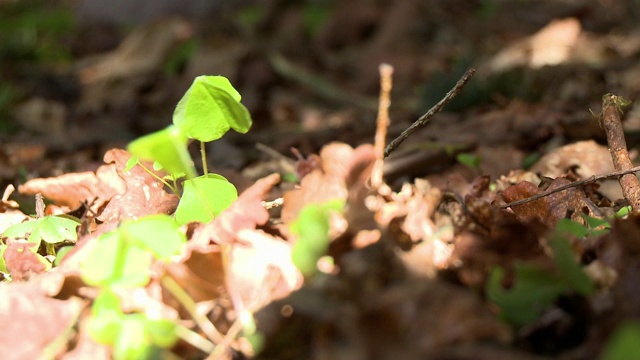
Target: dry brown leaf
(21, 262)
(143, 194)
(324, 184)
(73, 188)
(261, 269)
(33, 322)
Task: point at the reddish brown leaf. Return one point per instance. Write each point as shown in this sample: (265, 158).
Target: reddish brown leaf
(143, 193)
(21, 262)
(33, 321)
(73, 188)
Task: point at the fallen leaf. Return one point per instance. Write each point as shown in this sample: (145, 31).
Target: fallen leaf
(143, 194)
(21, 262)
(35, 325)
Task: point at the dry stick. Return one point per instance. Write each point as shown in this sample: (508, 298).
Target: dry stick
(424, 119)
(382, 123)
(591, 179)
(610, 121)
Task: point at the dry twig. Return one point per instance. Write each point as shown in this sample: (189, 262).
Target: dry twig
(424, 119)
(386, 72)
(591, 179)
(610, 121)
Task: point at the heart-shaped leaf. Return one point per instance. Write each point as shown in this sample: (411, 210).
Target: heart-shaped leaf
(204, 198)
(168, 147)
(210, 108)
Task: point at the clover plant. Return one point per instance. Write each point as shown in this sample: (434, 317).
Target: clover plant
(205, 113)
(121, 259)
(47, 231)
(312, 229)
(535, 288)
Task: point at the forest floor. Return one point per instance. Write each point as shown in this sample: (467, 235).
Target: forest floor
(332, 250)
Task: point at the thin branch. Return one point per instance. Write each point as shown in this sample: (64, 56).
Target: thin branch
(591, 179)
(424, 119)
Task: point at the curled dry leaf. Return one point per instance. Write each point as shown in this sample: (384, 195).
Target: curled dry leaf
(261, 268)
(143, 194)
(340, 162)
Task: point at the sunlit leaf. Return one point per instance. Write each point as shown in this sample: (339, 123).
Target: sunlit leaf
(204, 198)
(113, 261)
(168, 147)
(105, 324)
(312, 229)
(210, 108)
(158, 233)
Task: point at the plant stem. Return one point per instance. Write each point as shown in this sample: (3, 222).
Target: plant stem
(185, 300)
(204, 158)
(173, 188)
(195, 339)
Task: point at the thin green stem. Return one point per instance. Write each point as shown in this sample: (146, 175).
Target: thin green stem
(203, 152)
(195, 339)
(187, 302)
(174, 189)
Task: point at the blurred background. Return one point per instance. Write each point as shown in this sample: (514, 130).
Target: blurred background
(80, 77)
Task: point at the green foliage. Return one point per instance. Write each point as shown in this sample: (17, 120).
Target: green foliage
(52, 229)
(536, 289)
(122, 257)
(204, 198)
(34, 30)
(316, 13)
(469, 160)
(3, 265)
(168, 147)
(624, 343)
(133, 336)
(180, 56)
(312, 229)
(210, 108)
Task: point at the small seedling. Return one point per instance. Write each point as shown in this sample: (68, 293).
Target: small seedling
(205, 113)
(312, 229)
(535, 289)
(47, 231)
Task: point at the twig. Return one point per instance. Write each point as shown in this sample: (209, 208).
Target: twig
(591, 179)
(424, 119)
(610, 121)
(382, 123)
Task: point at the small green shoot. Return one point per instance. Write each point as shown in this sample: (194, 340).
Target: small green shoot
(123, 257)
(312, 229)
(470, 160)
(133, 336)
(50, 229)
(624, 343)
(536, 289)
